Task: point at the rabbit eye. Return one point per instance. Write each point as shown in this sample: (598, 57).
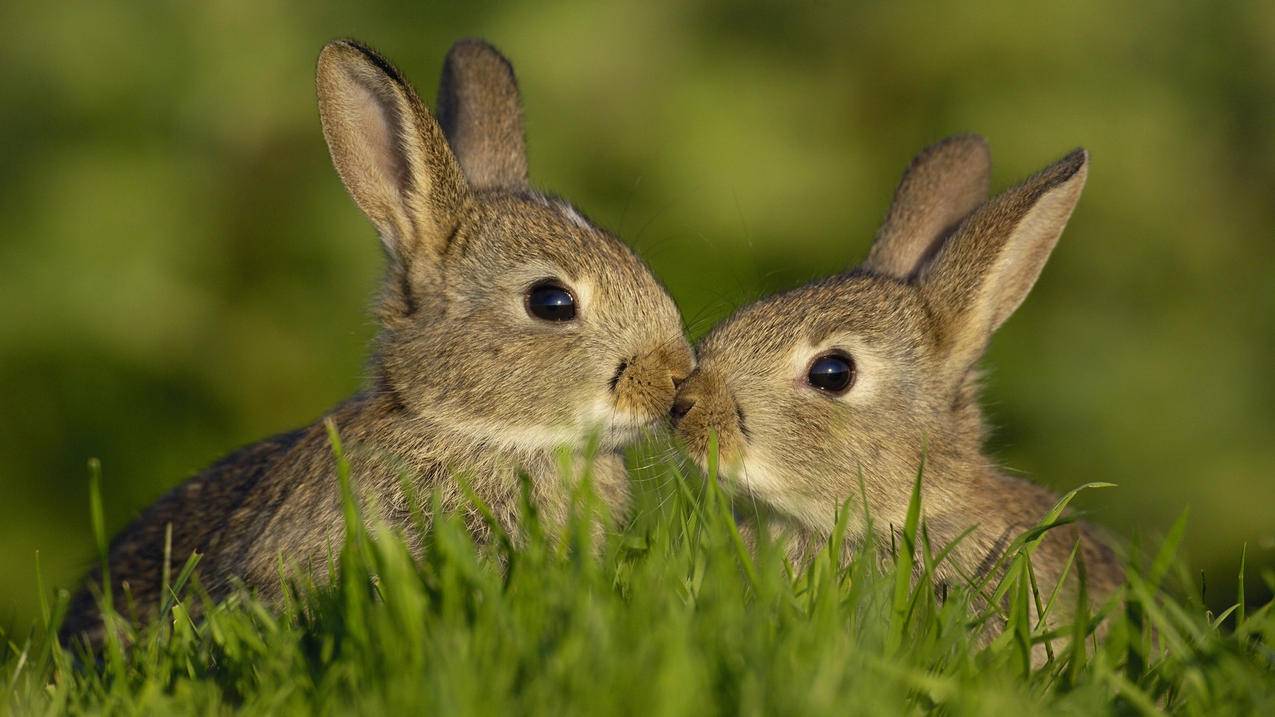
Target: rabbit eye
(549, 301)
(833, 373)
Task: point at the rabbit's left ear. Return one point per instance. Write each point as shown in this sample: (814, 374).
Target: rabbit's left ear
(944, 183)
(982, 273)
(390, 153)
(480, 110)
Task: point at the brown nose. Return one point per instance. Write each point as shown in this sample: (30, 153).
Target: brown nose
(681, 407)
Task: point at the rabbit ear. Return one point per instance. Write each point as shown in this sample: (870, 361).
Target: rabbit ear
(983, 272)
(480, 110)
(944, 183)
(389, 151)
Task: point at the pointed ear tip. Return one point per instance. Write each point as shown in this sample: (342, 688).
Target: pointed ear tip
(475, 48)
(472, 44)
(359, 59)
(347, 51)
(1075, 164)
(342, 47)
(334, 55)
(972, 139)
(970, 147)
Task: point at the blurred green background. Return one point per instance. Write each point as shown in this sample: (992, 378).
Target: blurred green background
(183, 272)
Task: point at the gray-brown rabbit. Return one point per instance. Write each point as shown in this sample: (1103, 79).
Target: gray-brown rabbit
(855, 374)
(511, 326)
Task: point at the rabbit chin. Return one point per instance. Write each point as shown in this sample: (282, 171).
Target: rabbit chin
(602, 427)
(750, 474)
(621, 429)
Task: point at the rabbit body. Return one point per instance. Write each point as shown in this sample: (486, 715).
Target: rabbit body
(907, 328)
(511, 328)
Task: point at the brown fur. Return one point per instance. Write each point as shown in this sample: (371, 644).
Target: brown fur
(480, 110)
(944, 183)
(464, 380)
(915, 332)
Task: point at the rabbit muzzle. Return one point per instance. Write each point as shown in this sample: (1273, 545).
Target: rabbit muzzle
(704, 407)
(644, 386)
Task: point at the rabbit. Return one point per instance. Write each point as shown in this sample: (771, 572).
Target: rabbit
(510, 326)
(858, 374)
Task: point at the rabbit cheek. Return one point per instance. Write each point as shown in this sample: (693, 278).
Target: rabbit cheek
(781, 479)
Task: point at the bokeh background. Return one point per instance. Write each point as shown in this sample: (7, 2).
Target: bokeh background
(182, 272)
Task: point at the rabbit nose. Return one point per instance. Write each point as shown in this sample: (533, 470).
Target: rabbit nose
(681, 407)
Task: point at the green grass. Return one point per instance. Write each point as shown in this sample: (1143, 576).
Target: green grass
(671, 615)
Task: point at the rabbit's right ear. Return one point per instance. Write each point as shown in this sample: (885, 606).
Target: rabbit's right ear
(390, 153)
(982, 273)
(481, 113)
(944, 183)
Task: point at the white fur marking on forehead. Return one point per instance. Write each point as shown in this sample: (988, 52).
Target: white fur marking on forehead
(869, 366)
(567, 211)
(573, 216)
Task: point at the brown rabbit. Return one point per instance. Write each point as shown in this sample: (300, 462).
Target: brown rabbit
(854, 374)
(511, 326)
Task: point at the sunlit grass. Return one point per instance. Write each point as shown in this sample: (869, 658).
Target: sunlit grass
(674, 614)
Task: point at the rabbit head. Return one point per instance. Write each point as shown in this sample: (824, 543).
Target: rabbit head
(507, 316)
(857, 374)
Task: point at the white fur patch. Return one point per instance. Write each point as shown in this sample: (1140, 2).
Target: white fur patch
(582, 288)
(573, 216)
(519, 438)
(762, 478)
(869, 366)
(602, 419)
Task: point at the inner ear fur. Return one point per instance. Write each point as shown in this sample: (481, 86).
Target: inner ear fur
(944, 183)
(984, 271)
(480, 110)
(390, 153)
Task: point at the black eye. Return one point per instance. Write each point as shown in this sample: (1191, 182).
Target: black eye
(832, 372)
(549, 301)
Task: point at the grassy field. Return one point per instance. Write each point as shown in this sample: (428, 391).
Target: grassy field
(184, 272)
(672, 616)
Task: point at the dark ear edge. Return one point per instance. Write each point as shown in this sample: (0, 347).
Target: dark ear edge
(378, 60)
(942, 185)
(480, 111)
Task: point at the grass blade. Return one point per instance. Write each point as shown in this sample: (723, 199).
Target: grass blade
(904, 565)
